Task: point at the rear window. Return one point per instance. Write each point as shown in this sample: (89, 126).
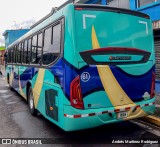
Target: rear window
(112, 30)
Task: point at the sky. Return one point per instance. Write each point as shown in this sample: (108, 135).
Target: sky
(17, 14)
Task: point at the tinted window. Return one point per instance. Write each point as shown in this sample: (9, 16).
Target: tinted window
(56, 38)
(47, 39)
(34, 48)
(52, 44)
(25, 53)
(13, 55)
(19, 54)
(29, 51)
(22, 52)
(15, 52)
(9, 56)
(39, 48)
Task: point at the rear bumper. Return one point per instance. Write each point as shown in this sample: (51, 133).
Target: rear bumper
(75, 119)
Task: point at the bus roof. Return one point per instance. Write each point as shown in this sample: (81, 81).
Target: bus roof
(93, 7)
(110, 9)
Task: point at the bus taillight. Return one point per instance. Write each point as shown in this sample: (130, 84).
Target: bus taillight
(153, 86)
(79, 8)
(76, 94)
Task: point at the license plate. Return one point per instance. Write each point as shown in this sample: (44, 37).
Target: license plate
(121, 115)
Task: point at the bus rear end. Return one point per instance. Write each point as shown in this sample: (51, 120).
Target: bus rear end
(115, 75)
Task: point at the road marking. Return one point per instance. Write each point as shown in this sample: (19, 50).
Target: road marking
(6, 96)
(3, 91)
(11, 103)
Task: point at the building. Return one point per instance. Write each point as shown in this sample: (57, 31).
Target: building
(12, 35)
(152, 8)
(113, 3)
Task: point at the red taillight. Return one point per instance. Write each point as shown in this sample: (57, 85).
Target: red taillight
(79, 8)
(153, 86)
(76, 94)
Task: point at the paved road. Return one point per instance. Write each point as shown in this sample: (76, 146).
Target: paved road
(16, 121)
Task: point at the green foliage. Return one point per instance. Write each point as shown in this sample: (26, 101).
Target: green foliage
(2, 48)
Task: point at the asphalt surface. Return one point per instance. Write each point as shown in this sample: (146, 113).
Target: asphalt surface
(17, 122)
(157, 112)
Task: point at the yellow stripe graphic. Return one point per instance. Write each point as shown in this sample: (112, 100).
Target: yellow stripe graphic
(38, 86)
(114, 91)
(20, 87)
(11, 78)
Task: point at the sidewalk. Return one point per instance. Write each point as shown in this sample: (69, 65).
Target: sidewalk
(2, 69)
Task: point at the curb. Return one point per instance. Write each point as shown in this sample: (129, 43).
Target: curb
(152, 119)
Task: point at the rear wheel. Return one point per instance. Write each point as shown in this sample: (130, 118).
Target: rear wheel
(31, 105)
(9, 83)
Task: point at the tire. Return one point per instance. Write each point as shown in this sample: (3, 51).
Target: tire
(9, 85)
(31, 105)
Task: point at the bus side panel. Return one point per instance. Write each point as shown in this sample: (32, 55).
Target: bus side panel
(49, 96)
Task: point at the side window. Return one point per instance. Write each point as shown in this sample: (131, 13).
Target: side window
(48, 56)
(14, 54)
(57, 38)
(39, 49)
(34, 49)
(25, 52)
(22, 52)
(8, 56)
(52, 44)
(47, 39)
(19, 54)
(11, 55)
(29, 51)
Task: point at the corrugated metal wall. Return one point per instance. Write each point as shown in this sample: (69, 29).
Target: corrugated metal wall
(157, 52)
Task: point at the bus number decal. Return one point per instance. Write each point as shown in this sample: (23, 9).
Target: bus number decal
(84, 19)
(85, 76)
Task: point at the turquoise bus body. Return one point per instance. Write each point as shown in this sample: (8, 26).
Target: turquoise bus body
(107, 60)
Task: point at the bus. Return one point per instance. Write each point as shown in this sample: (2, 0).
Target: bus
(83, 66)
